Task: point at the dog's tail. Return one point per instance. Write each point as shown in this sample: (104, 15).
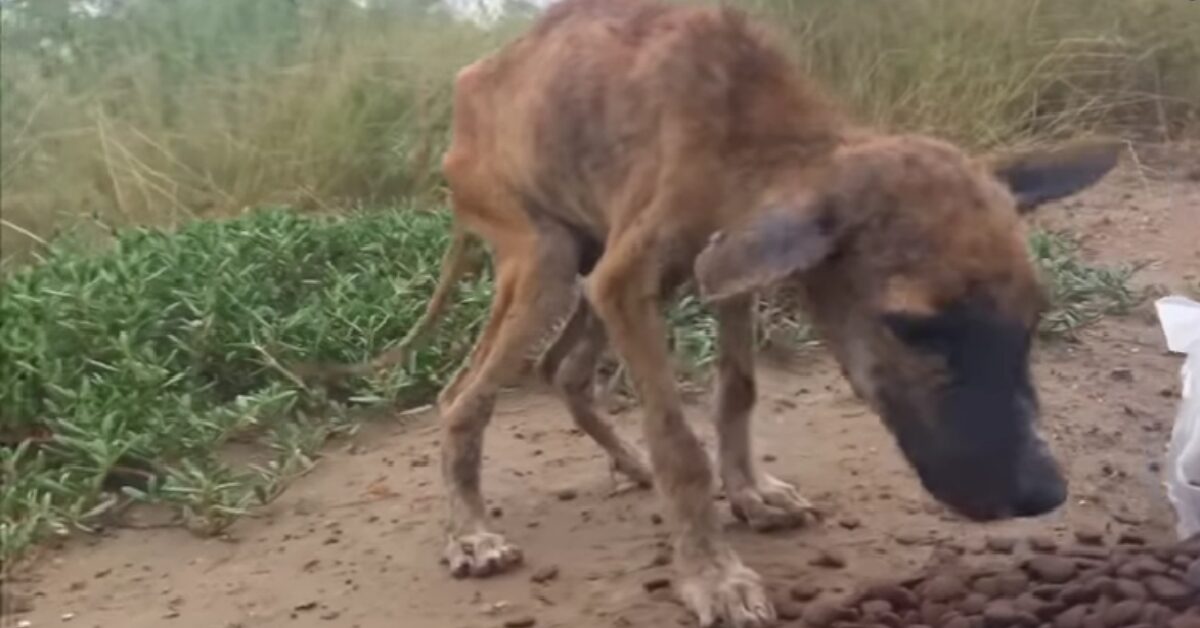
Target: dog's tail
(455, 264)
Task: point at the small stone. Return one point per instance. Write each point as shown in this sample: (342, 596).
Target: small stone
(567, 494)
(14, 603)
(873, 609)
(850, 523)
(825, 613)
(1087, 536)
(545, 574)
(804, 592)
(788, 610)
(1121, 375)
(525, 621)
(655, 584)
(1001, 544)
(1052, 569)
(330, 615)
(899, 597)
(656, 519)
(830, 559)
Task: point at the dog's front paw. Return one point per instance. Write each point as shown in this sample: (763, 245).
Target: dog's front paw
(770, 504)
(480, 555)
(726, 594)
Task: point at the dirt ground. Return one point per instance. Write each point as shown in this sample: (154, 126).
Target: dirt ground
(356, 542)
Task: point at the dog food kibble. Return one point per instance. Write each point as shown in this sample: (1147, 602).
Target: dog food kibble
(1129, 585)
(1001, 544)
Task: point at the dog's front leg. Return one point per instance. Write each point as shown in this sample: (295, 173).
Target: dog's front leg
(764, 502)
(714, 583)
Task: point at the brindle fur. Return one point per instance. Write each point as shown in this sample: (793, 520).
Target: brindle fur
(642, 144)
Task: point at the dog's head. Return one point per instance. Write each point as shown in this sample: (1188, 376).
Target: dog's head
(913, 261)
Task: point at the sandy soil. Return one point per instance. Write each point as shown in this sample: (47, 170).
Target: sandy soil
(356, 542)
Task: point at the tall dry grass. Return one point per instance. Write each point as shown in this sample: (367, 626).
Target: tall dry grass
(165, 111)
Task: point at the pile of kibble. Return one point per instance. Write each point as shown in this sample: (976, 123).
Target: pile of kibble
(1130, 585)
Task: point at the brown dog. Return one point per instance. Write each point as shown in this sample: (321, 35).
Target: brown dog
(643, 144)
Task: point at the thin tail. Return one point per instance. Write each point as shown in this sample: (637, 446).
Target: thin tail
(454, 266)
(455, 263)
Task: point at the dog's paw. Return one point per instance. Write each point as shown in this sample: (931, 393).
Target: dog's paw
(480, 555)
(629, 464)
(771, 504)
(728, 595)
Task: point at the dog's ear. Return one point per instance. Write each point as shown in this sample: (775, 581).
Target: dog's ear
(771, 245)
(1040, 176)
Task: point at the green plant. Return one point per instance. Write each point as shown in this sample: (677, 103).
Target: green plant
(1079, 293)
(142, 362)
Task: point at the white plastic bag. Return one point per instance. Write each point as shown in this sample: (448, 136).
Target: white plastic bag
(1180, 319)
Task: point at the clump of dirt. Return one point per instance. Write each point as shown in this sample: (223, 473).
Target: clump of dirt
(1130, 585)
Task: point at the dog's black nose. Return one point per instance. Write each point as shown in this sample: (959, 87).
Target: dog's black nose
(1046, 497)
(1041, 487)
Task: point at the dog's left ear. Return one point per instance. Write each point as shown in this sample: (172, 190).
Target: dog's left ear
(1040, 176)
(772, 244)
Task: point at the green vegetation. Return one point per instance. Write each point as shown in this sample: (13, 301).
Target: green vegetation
(131, 357)
(1079, 294)
(144, 361)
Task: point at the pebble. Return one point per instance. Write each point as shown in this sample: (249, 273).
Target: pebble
(1087, 536)
(824, 613)
(545, 574)
(804, 592)
(830, 559)
(525, 621)
(788, 610)
(655, 584)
